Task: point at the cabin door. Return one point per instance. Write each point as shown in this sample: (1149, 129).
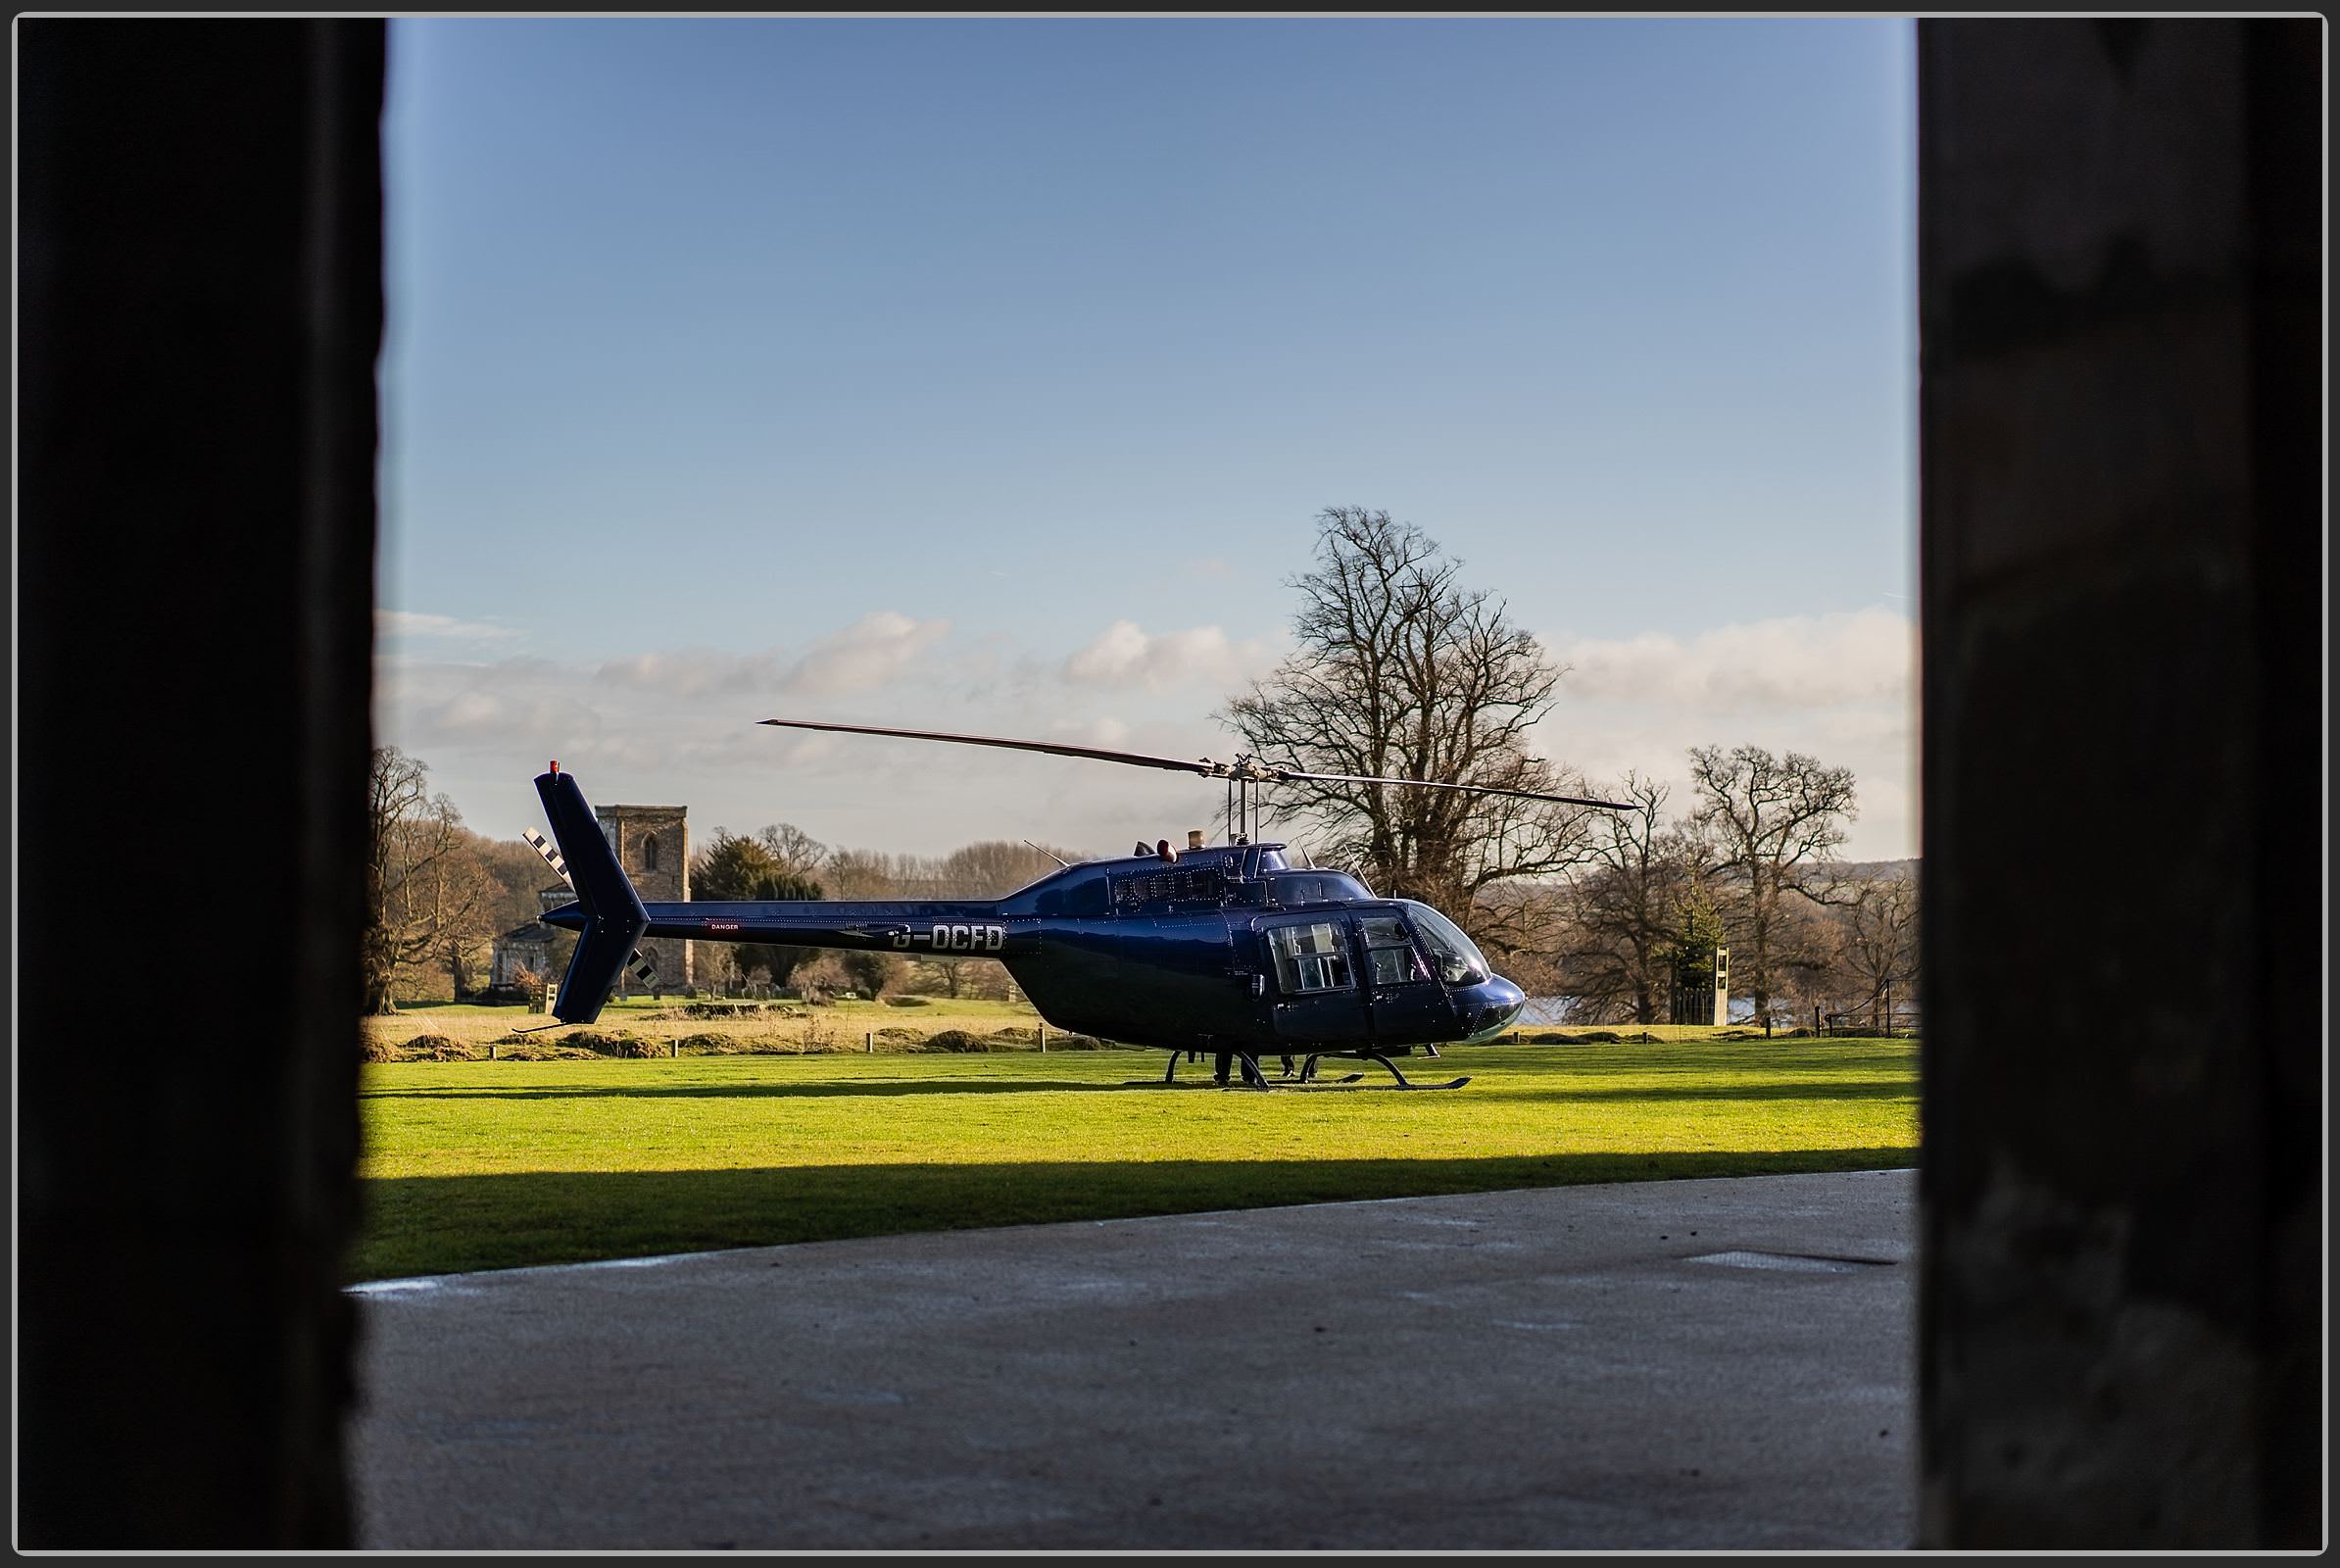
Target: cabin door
(1312, 980)
(1409, 1007)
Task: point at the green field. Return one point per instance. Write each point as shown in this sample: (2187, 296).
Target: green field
(477, 1165)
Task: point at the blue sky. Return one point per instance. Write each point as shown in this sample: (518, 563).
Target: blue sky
(988, 373)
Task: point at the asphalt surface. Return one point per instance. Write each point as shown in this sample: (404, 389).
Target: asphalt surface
(1694, 1364)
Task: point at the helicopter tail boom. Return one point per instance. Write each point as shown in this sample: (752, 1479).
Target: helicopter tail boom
(614, 919)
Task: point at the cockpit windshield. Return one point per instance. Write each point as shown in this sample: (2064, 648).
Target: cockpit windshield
(1454, 955)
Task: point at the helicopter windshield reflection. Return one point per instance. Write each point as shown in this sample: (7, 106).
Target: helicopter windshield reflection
(1454, 955)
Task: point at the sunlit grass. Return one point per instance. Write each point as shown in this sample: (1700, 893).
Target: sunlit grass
(493, 1164)
(843, 1024)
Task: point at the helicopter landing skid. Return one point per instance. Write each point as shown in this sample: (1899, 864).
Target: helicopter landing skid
(1254, 1078)
(1308, 1072)
(1344, 1086)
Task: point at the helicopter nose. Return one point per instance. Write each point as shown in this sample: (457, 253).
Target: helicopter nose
(1492, 1006)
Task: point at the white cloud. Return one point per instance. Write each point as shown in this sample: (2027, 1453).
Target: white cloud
(417, 624)
(693, 672)
(1840, 687)
(1106, 734)
(1124, 655)
(679, 726)
(1790, 662)
(866, 654)
(512, 701)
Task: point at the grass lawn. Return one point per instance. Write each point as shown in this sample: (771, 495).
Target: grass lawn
(779, 1025)
(471, 1165)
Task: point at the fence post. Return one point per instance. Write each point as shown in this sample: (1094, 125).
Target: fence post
(673, 1049)
(869, 1042)
(1044, 1038)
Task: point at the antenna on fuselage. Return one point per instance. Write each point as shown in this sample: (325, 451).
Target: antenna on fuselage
(1050, 854)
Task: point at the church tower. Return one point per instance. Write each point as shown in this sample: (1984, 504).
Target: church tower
(653, 844)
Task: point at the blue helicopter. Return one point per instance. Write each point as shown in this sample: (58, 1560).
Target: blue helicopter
(1234, 951)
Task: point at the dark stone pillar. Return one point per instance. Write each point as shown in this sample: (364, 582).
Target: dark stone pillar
(2120, 290)
(200, 308)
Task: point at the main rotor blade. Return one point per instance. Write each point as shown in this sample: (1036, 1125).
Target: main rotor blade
(1283, 774)
(1137, 759)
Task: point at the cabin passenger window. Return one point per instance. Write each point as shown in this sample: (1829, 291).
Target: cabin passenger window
(1390, 953)
(1310, 958)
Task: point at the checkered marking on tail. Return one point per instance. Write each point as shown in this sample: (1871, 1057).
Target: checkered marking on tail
(536, 840)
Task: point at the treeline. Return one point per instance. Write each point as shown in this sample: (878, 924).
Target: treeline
(1749, 865)
(1643, 898)
(783, 861)
(1401, 670)
(439, 894)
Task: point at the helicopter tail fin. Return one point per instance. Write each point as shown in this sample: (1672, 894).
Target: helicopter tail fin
(615, 918)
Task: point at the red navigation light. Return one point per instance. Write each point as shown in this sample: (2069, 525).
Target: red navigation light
(555, 765)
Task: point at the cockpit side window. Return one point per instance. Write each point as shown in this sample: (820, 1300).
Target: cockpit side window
(1310, 956)
(1389, 954)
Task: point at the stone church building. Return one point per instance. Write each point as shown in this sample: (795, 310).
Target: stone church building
(653, 844)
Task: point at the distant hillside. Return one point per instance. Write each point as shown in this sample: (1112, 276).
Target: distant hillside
(1908, 867)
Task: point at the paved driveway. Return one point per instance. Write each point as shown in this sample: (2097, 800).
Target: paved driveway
(1716, 1364)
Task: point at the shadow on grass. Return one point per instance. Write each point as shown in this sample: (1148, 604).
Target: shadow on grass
(1632, 1060)
(420, 1225)
(1821, 1090)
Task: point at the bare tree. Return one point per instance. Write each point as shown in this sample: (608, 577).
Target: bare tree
(981, 870)
(876, 874)
(949, 973)
(1639, 909)
(792, 850)
(511, 875)
(822, 978)
(1401, 673)
(1811, 979)
(980, 979)
(422, 887)
(993, 867)
(877, 973)
(1879, 923)
(1526, 927)
(1773, 819)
